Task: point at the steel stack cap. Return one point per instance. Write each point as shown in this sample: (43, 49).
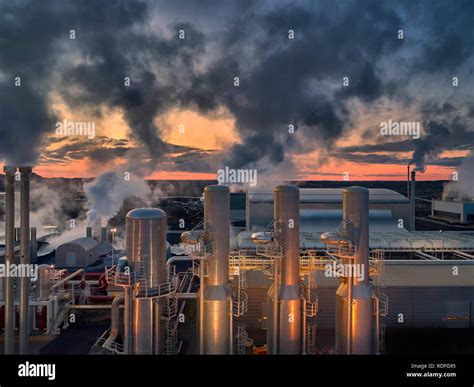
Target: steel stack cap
(146, 213)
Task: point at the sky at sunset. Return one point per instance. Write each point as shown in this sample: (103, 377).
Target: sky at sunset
(297, 90)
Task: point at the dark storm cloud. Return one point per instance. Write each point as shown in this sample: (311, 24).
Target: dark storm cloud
(448, 40)
(282, 88)
(282, 81)
(35, 45)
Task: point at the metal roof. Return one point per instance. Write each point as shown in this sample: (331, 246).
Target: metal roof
(312, 220)
(146, 213)
(390, 241)
(328, 195)
(86, 243)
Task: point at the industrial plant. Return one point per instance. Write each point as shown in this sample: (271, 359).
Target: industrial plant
(300, 271)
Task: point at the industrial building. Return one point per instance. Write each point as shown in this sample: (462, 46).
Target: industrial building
(453, 210)
(80, 252)
(308, 271)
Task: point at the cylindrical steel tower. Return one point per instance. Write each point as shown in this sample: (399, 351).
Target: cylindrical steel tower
(9, 258)
(24, 257)
(216, 333)
(146, 251)
(413, 200)
(287, 236)
(359, 291)
(146, 243)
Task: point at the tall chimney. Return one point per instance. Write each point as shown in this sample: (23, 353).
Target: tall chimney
(25, 173)
(408, 181)
(412, 200)
(89, 232)
(287, 294)
(34, 246)
(361, 324)
(103, 232)
(9, 258)
(216, 334)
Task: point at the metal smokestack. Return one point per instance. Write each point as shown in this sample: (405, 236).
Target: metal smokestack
(103, 232)
(412, 200)
(25, 173)
(216, 311)
(287, 235)
(408, 181)
(34, 246)
(361, 326)
(89, 232)
(9, 258)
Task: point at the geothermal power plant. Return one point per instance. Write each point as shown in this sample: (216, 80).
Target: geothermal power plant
(301, 271)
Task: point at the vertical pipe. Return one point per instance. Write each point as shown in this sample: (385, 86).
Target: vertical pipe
(287, 233)
(412, 199)
(127, 321)
(24, 257)
(34, 246)
(360, 291)
(201, 307)
(9, 258)
(377, 324)
(408, 181)
(276, 303)
(349, 315)
(103, 232)
(231, 327)
(89, 232)
(217, 290)
(304, 327)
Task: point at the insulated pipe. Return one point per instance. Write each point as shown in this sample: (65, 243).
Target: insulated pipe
(127, 322)
(412, 199)
(70, 277)
(360, 292)
(9, 258)
(25, 173)
(287, 234)
(115, 319)
(216, 306)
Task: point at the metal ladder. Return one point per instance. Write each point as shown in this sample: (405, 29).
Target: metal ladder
(242, 337)
(381, 343)
(311, 339)
(171, 337)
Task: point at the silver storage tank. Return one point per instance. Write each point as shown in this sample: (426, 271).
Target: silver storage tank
(146, 249)
(146, 243)
(216, 333)
(148, 330)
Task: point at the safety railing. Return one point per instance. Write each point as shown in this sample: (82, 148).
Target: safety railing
(171, 338)
(312, 303)
(134, 275)
(242, 339)
(240, 303)
(311, 339)
(383, 304)
(381, 343)
(341, 251)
